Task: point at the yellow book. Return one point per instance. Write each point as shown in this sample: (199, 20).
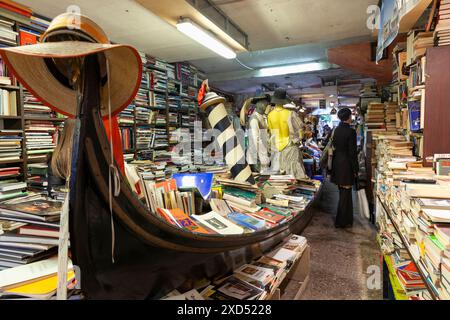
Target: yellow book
(41, 289)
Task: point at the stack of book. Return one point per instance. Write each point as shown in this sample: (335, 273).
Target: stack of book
(422, 41)
(171, 74)
(142, 115)
(12, 188)
(159, 139)
(41, 139)
(442, 32)
(158, 81)
(144, 138)
(160, 119)
(33, 107)
(9, 172)
(259, 279)
(7, 34)
(33, 231)
(11, 145)
(126, 117)
(183, 72)
(419, 208)
(391, 117)
(174, 102)
(36, 280)
(368, 90)
(5, 77)
(173, 119)
(39, 22)
(142, 98)
(37, 176)
(375, 117)
(158, 100)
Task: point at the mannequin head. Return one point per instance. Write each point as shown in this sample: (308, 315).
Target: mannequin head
(261, 106)
(261, 103)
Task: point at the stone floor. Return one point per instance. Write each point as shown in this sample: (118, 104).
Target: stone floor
(340, 258)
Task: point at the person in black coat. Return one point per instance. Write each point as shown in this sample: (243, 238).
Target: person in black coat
(345, 167)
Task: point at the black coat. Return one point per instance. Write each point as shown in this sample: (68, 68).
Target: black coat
(345, 159)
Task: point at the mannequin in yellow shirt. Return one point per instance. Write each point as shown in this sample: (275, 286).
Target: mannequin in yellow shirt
(286, 129)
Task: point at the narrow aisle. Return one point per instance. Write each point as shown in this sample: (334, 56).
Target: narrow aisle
(342, 260)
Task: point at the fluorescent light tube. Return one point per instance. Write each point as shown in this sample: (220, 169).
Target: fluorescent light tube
(289, 69)
(205, 38)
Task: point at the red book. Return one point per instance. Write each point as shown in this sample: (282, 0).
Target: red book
(180, 219)
(27, 38)
(169, 185)
(11, 6)
(269, 216)
(38, 232)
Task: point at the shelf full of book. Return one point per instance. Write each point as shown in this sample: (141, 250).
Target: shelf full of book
(164, 107)
(29, 130)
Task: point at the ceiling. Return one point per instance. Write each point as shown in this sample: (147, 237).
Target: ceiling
(283, 23)
(125, 21)
(280, 32)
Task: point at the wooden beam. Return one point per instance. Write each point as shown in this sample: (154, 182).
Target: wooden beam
(357, 58)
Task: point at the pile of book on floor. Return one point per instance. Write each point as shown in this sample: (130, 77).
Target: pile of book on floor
(41, 139)
(11, 145)
(31, 229)
(35, 281)
(419, 204)
(442, 32)
(375, 117)
(254, 281)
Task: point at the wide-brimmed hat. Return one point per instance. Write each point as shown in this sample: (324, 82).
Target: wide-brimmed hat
(264, 97)
(280, 97)
(41, 67)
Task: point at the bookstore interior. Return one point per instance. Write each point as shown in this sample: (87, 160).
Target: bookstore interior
(224, 150)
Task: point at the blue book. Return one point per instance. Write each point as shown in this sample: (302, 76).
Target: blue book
(200, 181)
(247, 221)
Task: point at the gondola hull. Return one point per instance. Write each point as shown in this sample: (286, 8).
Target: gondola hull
(139, 255)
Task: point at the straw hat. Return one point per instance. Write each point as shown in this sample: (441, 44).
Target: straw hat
(212, 98)
(47, 69)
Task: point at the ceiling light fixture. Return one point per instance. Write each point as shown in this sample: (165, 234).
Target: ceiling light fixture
(205, 38)
(290, 69)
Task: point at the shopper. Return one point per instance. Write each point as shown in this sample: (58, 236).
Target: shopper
(345, 167)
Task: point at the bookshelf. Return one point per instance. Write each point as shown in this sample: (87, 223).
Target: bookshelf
(166, 102)
(24, 116)
(422, 272)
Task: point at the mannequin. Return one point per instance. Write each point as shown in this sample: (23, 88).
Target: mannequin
(257, 154)
(286, 129)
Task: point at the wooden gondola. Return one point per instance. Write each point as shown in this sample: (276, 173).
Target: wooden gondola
(150, 256)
